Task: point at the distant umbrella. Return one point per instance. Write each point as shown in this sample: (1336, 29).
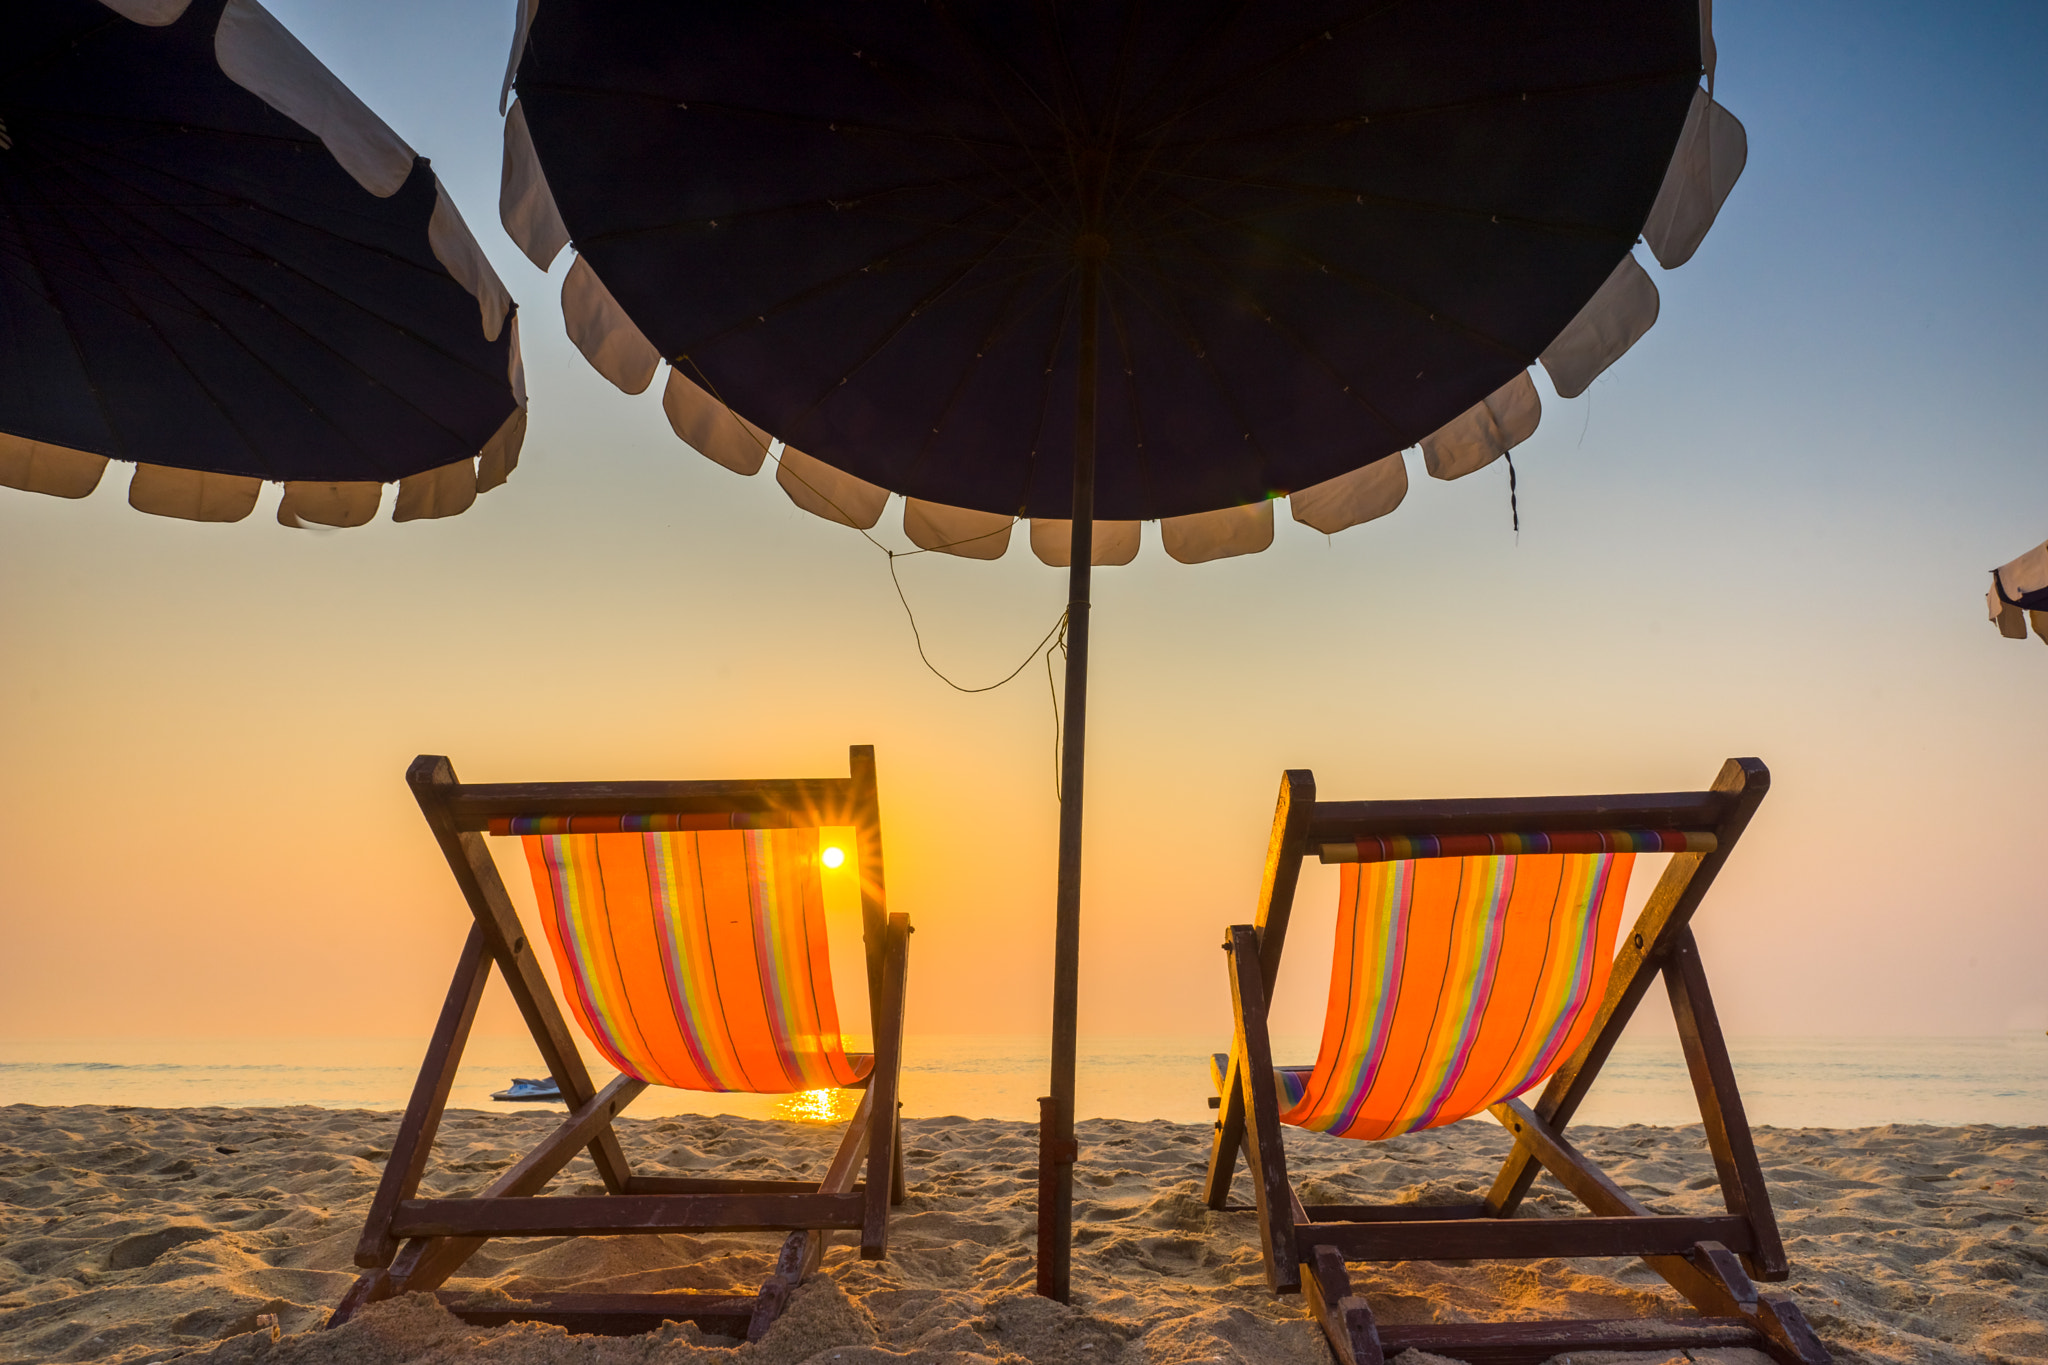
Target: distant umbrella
(191, 281)
(1104, 260)
(2019, 594)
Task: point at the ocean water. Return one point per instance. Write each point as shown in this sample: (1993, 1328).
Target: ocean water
(1786, 1082)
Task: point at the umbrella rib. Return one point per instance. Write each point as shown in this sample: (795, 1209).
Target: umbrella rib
(1300, 343)
(971, 46)
(1159, 143)
(967, 371)
(1366, 118)
(971, 49)
(746, 215)
(1312, 195)
(890, 333)
(184, 211)
(1069, 305)
(1065, 82)
(67, 49)
(1142, 454)
(758, 112)
(141, 226)
(1200, 348)
(135, 310)
(1333, 193)
(1350, 276)
(957, 222)
(1204, 43)
(1272, 64)
(301, 142)
(1006, 315)
(813, 291)
(436, 272)
(1120, 71)
(34, 263)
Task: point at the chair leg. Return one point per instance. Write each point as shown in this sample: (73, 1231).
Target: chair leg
(1346, 1319)
(1274, 1195)
(415, 1140)
(1713, 1278)
(1788, 1336)
(368, 1289)
(789, 1273)
(898, 1191)
(882, 1089)
(1728, 1136)
(1229, 1134)
(802, 1251)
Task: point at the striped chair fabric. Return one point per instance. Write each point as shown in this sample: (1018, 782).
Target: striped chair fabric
(697, 958)
(1457, 983)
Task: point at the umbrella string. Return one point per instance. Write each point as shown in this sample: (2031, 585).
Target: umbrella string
(1059, 791)
(1046, 642)
(1514, 506)
(1053, 639)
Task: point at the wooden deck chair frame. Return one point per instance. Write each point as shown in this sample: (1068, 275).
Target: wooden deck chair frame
(412, 1245)
(1712, 1261)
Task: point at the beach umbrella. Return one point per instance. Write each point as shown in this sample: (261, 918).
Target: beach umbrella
(1094, 264)
(217, 263)
(2019, 594)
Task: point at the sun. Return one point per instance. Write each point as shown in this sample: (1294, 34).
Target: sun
(818, 1106)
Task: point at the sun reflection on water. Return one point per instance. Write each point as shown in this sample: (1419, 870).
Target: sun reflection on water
(818, 1106)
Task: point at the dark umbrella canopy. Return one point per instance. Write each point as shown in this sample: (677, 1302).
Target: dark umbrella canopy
(1328, 228)
(190, 279)
(1108, 261)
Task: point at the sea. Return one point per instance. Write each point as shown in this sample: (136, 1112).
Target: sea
(1785, 1082)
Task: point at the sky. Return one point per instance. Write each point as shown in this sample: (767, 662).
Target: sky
(1764, 532)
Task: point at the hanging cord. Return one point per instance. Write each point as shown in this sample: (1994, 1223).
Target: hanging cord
(1059, 791)
(1058, 629)
(1514, 506)
(1056, 638)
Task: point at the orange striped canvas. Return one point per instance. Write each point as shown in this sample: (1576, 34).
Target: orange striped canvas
(696, 958)
(1458, 983)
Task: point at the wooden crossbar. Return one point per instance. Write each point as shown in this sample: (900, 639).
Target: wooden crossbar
(1495, 1343)
(473, 806)
(1391, 1213)
(1442, 1239)
(609, 1314)
(1334, 821)
(571, 1216)
(1401, 848)
(673, 1184)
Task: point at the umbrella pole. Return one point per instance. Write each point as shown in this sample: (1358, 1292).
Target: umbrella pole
(1056, 1147)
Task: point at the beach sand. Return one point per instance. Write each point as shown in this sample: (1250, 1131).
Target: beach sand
(137, 1235)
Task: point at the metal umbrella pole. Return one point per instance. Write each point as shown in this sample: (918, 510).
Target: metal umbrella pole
(1057, 1148)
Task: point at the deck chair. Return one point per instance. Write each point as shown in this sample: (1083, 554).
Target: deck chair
(1476, 957)
(686, 921)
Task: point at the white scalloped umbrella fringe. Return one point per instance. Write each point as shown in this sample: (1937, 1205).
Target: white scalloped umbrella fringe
(1712, 150)
(260, 54)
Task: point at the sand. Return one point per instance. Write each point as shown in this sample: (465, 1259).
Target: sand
(136, 1235)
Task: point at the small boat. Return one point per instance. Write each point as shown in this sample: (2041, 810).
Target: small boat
(523, 1089)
